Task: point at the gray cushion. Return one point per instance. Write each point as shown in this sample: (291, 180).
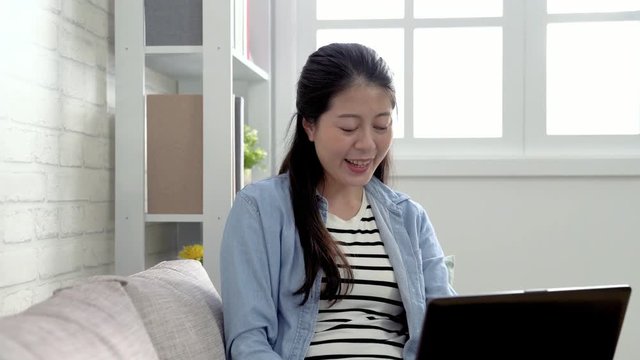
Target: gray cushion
(181, 310)
(93, 320)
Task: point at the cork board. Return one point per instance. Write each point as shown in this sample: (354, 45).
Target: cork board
(174, 154)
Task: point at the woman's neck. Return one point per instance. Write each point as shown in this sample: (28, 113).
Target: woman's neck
(344, 202)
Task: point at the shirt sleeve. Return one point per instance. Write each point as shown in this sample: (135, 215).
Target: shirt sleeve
(249, 308)
(434, 268)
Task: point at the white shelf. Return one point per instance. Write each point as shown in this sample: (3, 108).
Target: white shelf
(173, 217)
(173, 49)
(243, 69)
(177, 62)
(185, 63)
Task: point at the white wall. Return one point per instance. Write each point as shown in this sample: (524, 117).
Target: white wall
(536, 232)
(57, 148)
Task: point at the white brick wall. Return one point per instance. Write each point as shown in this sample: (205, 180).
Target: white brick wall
(17, 301)
(19, 226)
(56, 147)
(22, 186)
(18, 266)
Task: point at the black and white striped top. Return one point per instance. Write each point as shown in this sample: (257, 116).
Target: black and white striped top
(369, 322)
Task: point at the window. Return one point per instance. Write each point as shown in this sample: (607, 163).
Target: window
(494, 78)
(454, 66)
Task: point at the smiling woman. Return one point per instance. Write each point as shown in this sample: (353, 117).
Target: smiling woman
(351, 139)
(325, 260)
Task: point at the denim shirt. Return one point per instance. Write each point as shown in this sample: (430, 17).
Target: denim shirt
(262, 266)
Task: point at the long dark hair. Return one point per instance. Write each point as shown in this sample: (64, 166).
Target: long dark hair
(328, 71)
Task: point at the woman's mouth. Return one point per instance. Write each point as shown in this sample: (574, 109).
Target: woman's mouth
(358, 166)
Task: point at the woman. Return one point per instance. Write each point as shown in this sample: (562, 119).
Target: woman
(325, 259)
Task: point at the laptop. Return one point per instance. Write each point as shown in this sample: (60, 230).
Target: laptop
(566, 323)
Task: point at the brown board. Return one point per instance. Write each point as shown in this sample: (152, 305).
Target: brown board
(174, 154)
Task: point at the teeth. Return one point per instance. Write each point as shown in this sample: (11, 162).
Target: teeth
(361, 163)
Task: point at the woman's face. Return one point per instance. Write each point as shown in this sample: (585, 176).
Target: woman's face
(353, 136)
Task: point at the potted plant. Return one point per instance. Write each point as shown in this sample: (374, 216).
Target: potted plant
(253, 154)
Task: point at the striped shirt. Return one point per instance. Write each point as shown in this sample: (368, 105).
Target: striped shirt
(369, 322)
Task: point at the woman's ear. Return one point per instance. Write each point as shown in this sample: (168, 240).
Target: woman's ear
(309, 128)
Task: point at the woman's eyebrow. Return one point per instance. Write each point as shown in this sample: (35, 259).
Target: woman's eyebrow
(349, 115)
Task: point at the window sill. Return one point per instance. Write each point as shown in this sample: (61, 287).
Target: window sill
(515, 167)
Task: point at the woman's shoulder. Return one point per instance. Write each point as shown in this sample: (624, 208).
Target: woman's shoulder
(384, 193)
(269, 189)
(390, 197)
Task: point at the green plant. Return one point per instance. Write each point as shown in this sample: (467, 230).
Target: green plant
(253, 154)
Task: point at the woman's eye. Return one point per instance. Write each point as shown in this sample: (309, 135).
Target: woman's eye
(382, 125)
(347, 129)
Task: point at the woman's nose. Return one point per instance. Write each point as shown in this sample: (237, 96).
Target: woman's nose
(365, 140)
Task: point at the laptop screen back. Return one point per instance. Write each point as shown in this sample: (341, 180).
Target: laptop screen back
(579, 323)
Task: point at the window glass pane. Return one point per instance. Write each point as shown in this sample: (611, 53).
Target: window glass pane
(389, 44)
(590, 6)
(458, 82)
(593, 78)
(457, 8)
(359, 9)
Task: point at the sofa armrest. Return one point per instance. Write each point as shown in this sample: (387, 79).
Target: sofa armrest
(181, 310)
(92, 320)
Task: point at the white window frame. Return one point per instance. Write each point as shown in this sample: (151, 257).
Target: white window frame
(524, 149)
(538, 142)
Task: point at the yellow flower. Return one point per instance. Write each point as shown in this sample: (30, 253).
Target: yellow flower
(195, 252)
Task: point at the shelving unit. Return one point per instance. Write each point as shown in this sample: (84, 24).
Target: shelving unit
(217, 72)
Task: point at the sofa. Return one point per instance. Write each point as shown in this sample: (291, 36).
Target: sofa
(170, 311)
